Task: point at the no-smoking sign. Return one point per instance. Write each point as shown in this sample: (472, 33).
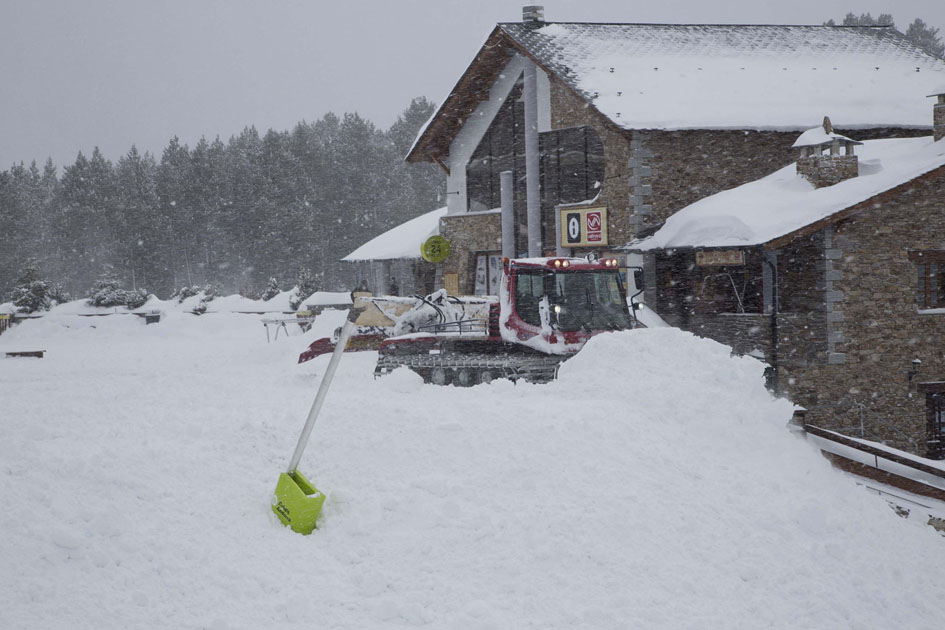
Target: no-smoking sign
(583, 227)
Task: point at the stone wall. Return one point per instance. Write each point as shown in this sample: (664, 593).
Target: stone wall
(747, 333)
(827, 170)
(468, 234)
(882, 329)
(677, 168)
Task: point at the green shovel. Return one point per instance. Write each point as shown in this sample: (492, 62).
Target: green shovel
(296, 501)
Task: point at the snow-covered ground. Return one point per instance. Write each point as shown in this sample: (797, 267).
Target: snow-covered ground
(654, 485)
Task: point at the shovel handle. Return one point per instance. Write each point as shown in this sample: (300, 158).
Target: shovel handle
(323, 388)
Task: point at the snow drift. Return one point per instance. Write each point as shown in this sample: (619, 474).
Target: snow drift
(653, 485)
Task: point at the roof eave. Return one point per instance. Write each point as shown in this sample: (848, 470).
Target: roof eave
(423, 149)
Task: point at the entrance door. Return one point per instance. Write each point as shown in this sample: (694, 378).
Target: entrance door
(935, 410)
(488, 273)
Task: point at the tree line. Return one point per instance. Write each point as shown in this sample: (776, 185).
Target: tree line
(228, 214)
(918, 32)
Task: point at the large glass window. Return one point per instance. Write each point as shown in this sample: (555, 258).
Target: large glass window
(593, 300)
(581, 300)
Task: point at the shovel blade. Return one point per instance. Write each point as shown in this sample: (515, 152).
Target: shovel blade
(297, 502)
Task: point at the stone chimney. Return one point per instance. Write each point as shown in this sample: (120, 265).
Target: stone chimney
(938, 115)
(826, 170)
(533, 16)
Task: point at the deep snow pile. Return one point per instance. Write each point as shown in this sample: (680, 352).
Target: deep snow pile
(653, 486)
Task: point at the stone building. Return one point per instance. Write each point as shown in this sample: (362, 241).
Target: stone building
(390, 263)
(629, 123)
(834, 273)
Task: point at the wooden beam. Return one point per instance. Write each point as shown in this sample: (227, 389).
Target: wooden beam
(439, 162)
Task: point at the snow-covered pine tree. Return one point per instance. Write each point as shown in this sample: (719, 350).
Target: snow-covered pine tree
(272, 289)
(925, 36)
(919, 33)
(32, 293)
(107, 292)
(307, 284)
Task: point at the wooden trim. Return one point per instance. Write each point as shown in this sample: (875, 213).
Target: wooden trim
(462, 99)
(884, 476)
(931, 387)
(469, 92)
(926, 255)
(439, 162)
(904, 461)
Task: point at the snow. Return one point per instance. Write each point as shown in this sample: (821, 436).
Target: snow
(659, 76)
(784, 201)
(280, 302)
(327, 298)
(403, 241)
(819, 137)
(654, 485)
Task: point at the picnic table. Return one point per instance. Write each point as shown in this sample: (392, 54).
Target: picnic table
(280, 323)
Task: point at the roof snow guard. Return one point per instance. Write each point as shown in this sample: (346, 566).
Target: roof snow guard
(675, 76)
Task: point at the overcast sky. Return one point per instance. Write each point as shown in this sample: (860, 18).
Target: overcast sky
(112, 73)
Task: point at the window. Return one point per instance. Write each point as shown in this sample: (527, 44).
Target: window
(571, 162)
(572, 165)
(930, 277)
(935, 413)
(529, 289)
(502, 148)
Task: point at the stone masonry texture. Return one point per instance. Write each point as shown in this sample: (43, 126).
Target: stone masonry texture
(827, 170)
(882, 328)
(469, 234)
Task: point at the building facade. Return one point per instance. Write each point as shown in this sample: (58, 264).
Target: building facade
(642, 121)
(836, 284)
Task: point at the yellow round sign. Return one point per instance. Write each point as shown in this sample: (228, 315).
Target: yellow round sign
(435, 249)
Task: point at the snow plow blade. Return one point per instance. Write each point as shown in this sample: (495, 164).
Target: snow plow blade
(356, 343)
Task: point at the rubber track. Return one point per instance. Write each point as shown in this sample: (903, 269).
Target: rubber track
(534, 369)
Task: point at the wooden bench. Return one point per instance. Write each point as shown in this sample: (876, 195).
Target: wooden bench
(26, 353)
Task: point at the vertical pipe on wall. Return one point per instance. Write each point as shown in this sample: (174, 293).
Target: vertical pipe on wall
(532, 181)
(508, 214)
(560, 250)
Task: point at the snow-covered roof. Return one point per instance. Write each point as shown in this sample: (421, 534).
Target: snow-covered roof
(402, 241)
(664, 76)
(327, 298)
(784, 202)
(818, 137)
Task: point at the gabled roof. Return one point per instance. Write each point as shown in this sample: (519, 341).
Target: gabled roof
(675, 76)
(784, 203)
(403, 241)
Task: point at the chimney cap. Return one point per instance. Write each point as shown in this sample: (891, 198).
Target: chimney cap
(822, 136)
(533, 15)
